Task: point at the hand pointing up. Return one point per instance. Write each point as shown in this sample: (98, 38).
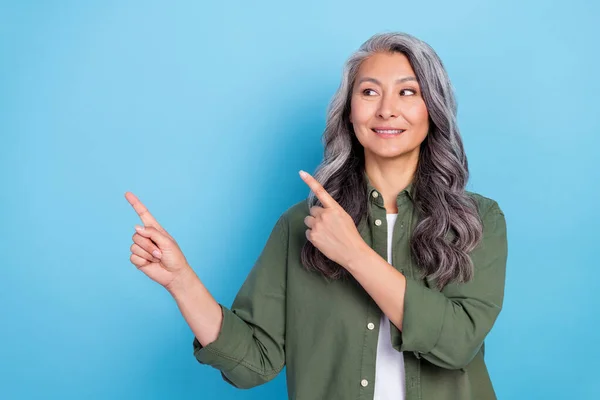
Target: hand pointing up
(330, 228)
(154, 251)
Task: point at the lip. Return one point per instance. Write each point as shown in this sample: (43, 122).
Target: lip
(388, 135)
(387, 128)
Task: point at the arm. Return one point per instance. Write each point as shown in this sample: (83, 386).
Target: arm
(200, 310)
(384, 283)
(446, 328)
(249, 346)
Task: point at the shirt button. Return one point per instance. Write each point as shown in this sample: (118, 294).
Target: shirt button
(377, 222)
(371, 326)
(364, 382)
(375, 194)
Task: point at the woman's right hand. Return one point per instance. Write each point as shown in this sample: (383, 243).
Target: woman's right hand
(169, 264)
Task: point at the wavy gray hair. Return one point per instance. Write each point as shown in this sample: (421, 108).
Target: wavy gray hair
(443, 206)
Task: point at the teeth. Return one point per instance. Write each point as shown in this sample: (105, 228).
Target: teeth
(389, 131)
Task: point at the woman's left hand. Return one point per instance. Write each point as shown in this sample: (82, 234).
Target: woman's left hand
(331, 228)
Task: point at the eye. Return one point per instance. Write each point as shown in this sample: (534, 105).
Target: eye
(410, 90)
(366, 90)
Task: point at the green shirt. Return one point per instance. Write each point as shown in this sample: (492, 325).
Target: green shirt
(325, 331)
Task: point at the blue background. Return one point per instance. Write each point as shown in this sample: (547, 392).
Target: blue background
(207, 112)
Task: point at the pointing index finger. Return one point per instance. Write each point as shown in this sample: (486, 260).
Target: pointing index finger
(319, 190)
(142, 211)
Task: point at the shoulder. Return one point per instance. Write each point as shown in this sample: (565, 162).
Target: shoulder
(296, 212)
(485, 205)
(291, 224)
(492, 218)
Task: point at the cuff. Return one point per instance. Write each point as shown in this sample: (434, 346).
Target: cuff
(423, 318)
(226, 352)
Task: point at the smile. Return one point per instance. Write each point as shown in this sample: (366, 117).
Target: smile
(388, 132)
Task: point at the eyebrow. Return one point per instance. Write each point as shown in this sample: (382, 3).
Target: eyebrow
(369, 79)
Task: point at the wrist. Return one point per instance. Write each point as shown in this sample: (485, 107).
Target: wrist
(360, 258)
(182, 282)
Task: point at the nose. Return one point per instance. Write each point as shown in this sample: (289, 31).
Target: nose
(388, 107)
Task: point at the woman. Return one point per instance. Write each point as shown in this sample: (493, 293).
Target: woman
(384, 283)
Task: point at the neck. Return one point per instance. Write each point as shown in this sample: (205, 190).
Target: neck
(391, 175)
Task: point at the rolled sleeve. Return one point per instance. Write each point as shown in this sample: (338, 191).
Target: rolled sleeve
(448, 328)
(424, 311)
(226, 352)
(249, 349)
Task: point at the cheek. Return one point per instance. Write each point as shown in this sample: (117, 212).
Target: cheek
(419, 120)
(418, 114)
(361, 112)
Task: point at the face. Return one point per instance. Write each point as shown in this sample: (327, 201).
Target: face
(386, 95)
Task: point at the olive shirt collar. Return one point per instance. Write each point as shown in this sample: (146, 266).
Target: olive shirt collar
(377, 199)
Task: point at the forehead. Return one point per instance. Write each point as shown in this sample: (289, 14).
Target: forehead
(385, 66)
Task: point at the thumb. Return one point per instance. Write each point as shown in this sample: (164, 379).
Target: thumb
(162, 241)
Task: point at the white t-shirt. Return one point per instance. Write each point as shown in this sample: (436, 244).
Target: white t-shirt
(389, 367)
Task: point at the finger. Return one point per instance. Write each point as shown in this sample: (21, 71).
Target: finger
(308, 235)
(147, 218)
(137, 250)
(150, 232)
(315, 211)
(309, 221)
(147, 245)
(318, 190)
(138, 261)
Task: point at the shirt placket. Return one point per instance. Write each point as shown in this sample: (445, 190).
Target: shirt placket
(402, 262)
(377, 227)
(377, 238)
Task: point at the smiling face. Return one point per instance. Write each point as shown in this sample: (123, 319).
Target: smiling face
(386, 95)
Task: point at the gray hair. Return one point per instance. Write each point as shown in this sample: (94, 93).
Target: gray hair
(443, 206)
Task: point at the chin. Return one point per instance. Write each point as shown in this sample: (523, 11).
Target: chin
(395, 153)
(390, 151)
